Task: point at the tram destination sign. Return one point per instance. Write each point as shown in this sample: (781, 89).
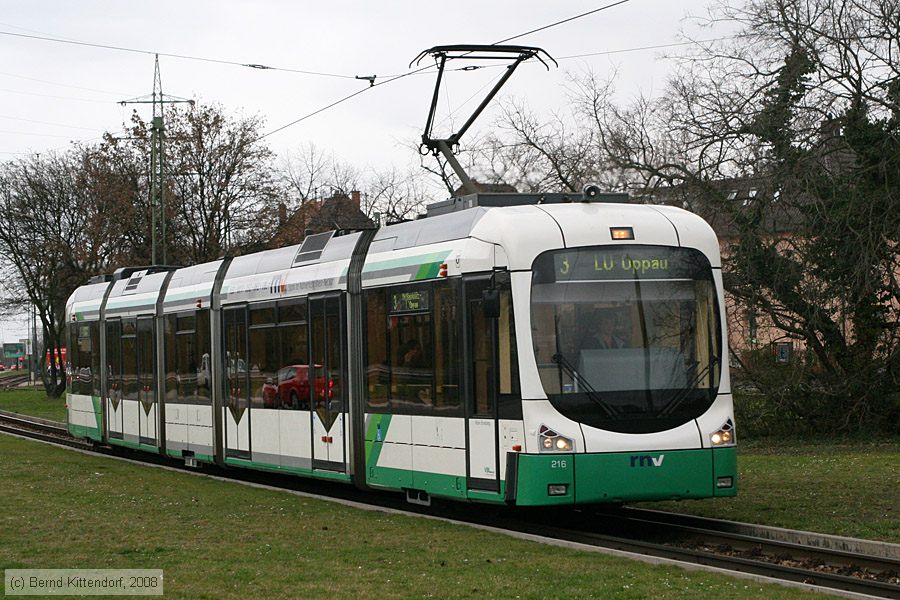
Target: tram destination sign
(410, 301)
(644, 262)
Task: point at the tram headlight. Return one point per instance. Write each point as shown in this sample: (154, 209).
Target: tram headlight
(724, 436)
(563, 443)
(550, 441)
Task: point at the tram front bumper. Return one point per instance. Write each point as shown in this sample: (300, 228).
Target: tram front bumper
(548, 479)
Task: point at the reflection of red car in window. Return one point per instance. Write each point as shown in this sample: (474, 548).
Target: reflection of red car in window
(292, 388)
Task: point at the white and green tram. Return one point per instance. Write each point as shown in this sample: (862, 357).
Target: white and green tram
(507, 348)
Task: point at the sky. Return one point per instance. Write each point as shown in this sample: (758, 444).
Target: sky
(53, 94)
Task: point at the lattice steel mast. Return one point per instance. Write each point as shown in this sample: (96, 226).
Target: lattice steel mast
(158, 162)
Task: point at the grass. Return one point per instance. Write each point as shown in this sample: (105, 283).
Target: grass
(848, 489)
(842, 488)
(33, 403)
(221, 540)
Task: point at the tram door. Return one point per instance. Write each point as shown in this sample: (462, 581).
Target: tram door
(114, 380)
(328, 379)
(481, 404)
(147, 417)
(237, 384)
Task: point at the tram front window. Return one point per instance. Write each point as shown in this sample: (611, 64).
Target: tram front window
(627, 338)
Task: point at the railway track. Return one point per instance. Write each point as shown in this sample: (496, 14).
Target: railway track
(12, 381)
(40, 429)
(830, 563)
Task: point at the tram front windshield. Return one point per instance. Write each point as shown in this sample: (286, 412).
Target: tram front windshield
(627, 338)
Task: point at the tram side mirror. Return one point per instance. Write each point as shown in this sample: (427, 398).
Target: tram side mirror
(490, 301)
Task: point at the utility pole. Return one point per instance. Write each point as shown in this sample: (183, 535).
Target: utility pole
(157, 162)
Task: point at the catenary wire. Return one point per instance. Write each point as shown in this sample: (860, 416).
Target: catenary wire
(47, 123)
(173, 55)
(407, 74)
(584, 14)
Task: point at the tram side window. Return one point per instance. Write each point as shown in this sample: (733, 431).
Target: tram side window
(510, 400)
(293, 380)
(263, 358)
(146, 357)
(95, 358)
(82, 338)
(412, 349)
(378, 368)
(84, 348)
(114, 358)
(171, 366)
(412, 361)
(70, 354)
(202, 359)
(235, 359)
(447, 357)
(186, 360)
(129, 359)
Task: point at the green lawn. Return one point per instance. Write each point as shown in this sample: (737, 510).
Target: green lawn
(221, 540)
(841, 489)
(34, 403)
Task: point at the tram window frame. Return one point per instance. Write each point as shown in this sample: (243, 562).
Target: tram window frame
(286, 311)
(185, 350)
(171, 358)
(129, 364)
(95, 358)
(146, 344)
(509, 402)
(263, 324)
(70, 359)
(293, 319)
(507, 382)
(262, 314)
(381, 339)
(235, 317)
(85, 349)
(114, 357)
(203, 348)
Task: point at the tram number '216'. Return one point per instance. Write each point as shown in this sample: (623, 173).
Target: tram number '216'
(559, 463)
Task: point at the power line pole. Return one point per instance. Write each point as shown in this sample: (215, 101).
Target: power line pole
(157, 162)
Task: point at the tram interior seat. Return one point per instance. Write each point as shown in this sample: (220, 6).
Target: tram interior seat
(626, 368)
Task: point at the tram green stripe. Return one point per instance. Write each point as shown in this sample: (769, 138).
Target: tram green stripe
(436, 484)
(127, 444)
(252, 464)
(428, 270)
(82, 431)
(98, 414)
(373, 447)
(406, 261)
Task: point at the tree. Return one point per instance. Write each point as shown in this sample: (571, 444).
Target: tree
(535, 155)
(804, 101)
(42, 237)
(311, 173)
(220, 182)
(393, 193)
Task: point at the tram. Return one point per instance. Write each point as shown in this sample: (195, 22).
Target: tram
(507, 348)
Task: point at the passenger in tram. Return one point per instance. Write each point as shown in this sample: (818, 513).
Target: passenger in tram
(412, 372)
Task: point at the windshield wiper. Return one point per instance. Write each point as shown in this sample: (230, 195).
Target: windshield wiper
(689, 387)
(592, 394)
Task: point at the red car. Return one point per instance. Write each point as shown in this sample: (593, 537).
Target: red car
(292, 388)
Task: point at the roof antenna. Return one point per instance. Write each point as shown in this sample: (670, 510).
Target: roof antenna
(516, 54)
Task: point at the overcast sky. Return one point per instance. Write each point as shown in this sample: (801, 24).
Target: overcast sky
(53, 93)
